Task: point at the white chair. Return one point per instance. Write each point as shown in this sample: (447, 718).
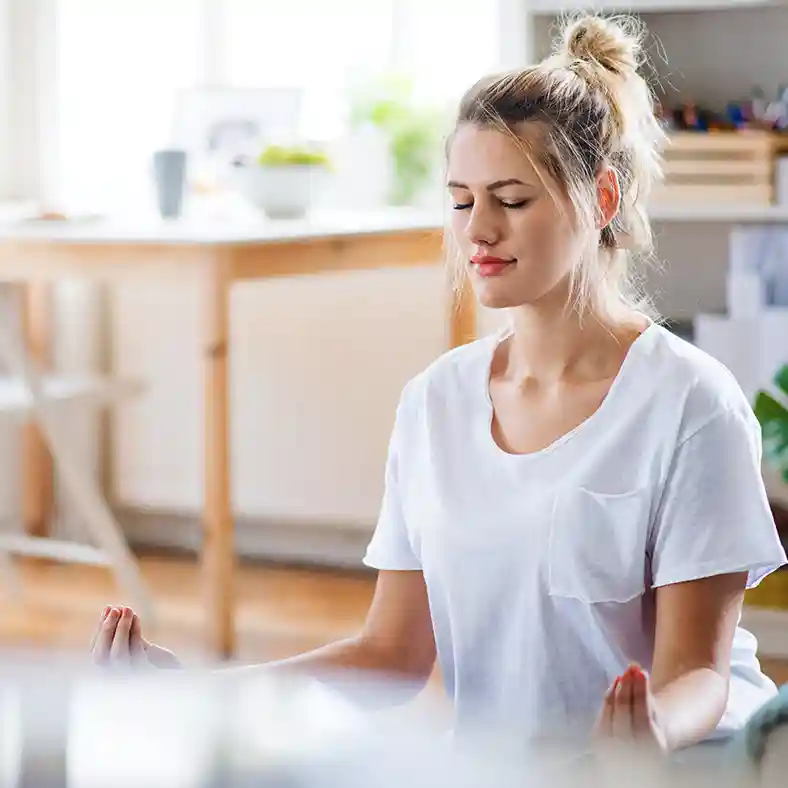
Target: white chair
(25, 395)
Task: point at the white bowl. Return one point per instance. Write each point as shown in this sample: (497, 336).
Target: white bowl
(281, 192)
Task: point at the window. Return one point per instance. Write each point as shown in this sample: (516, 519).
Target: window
(446, 44)
(121, 64)
(313, 44)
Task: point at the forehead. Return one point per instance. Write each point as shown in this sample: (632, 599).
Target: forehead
(478, 156)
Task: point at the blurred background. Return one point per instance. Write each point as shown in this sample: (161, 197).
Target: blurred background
(136, 127)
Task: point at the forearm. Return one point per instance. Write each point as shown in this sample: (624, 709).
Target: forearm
(690, 706)
(340, 664)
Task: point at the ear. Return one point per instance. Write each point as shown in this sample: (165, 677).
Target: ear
(608, 196)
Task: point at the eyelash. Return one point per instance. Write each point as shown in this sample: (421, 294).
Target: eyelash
(510, 205)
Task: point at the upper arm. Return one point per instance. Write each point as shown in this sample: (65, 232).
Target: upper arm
(714, 516)
(713, 536)
(399, 625)
(695, 626)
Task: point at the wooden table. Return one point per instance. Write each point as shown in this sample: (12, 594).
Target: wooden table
(219, 255)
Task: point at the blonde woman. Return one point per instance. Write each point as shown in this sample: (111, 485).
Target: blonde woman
(574, 506)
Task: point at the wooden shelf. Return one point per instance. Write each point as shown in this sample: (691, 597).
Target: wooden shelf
(723, 213)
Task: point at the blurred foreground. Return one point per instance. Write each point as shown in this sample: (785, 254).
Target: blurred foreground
(65, 724)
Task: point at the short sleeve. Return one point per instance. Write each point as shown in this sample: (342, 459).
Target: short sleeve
(390, 547)
(714, 516)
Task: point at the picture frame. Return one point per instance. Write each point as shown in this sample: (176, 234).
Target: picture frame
(218, 127)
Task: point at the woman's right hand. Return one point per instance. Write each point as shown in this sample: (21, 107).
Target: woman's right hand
(119, 641)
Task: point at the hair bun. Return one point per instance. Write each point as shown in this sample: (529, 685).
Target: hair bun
(614, 44)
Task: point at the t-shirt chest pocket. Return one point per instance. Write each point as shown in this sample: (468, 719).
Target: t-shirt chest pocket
(598, 542)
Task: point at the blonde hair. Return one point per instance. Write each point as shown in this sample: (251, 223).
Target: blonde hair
(590, 108)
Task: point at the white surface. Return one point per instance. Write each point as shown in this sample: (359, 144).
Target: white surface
(53, 549)
(316, 365)
(666, 467)
(746, 294)
(207, 231)
(731, 342)
(16, 400)
(752, 347)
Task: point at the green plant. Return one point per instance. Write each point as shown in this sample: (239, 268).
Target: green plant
(772, 413)
(282, 156)
(413, 131)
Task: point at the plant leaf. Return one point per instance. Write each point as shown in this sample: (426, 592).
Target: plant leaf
(781, 379)
(773, 418)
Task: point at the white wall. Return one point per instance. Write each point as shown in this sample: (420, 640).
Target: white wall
(317, 366)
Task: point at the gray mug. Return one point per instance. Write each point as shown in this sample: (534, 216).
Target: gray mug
(169, 172)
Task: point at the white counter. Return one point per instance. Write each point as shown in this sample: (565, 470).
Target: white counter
(248, 230)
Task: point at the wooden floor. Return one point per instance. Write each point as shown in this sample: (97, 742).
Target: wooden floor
(281, 611)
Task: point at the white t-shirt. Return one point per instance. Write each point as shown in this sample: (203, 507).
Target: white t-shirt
(541, 568)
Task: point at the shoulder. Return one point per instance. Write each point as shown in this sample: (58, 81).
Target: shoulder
(453, 379)
(702, 387)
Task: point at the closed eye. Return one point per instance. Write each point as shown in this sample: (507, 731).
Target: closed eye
(511, 205)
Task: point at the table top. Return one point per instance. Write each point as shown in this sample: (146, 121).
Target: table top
(212, 232)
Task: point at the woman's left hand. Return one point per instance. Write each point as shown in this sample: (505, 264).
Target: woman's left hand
(629, 713)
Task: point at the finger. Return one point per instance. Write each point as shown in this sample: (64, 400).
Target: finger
(622, 708)
(135, 641)
(106, 635)
(120, 651)
(104, 614)
(604, 724)
(641, 724)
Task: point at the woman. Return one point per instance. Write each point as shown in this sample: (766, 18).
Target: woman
(580, 494)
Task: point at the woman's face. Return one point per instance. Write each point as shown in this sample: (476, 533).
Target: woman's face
(519, 244)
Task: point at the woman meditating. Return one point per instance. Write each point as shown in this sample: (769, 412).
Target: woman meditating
(574, 505)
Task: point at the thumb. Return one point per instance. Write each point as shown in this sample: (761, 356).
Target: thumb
(135, 641)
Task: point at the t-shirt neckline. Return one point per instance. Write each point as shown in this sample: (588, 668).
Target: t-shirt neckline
(636, 350)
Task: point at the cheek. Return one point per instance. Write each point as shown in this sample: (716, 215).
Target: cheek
(545, 237)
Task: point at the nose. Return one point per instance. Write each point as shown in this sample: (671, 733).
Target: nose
(482, 229)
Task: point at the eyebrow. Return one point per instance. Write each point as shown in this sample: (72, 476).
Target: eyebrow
(490, 187)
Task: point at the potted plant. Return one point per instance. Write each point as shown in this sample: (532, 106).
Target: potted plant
(772, 413)
(282, 180)
(771, 410)
(413, 133)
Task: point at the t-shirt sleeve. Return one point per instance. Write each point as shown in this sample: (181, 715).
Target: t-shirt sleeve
(390, 547)
(714, 516)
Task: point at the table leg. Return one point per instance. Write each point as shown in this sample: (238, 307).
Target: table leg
(462, 315)
(37, 469)
(219, 537)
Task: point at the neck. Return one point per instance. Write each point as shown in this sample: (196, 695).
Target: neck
(551, 345)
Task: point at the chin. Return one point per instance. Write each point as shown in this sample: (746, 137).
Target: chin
(494, 296)
(513, 290)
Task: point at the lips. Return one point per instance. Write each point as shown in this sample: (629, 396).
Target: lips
(487, 265)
